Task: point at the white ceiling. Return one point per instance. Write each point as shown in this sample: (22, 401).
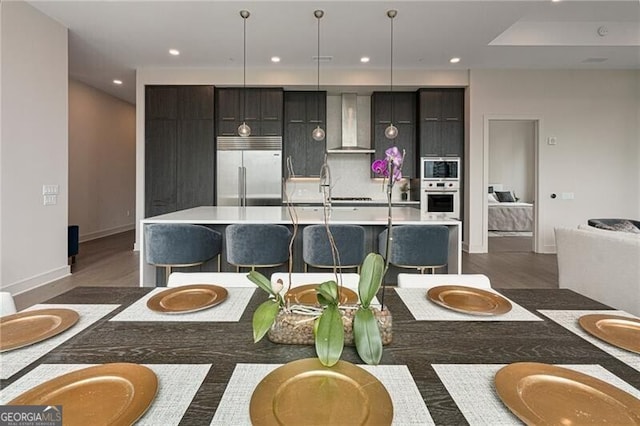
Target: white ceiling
(111, 39)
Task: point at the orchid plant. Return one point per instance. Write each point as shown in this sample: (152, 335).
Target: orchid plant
(329, 327)
(390, 168)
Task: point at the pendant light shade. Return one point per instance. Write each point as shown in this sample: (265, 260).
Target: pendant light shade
(318, 132)
(244, 130)
(391, 132)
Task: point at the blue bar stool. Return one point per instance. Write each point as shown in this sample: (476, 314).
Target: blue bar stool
(349, 242)
(417, 247)
(257, 245)
(171, 245)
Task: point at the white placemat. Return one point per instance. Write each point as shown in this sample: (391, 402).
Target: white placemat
(177, 385)
(569, 320)
(423, 309)
(472, 388)
(228, 311)
(408, 406)
(13, 361)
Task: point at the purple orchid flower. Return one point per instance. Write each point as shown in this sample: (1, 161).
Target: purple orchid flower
(394, 155)
(379, 167)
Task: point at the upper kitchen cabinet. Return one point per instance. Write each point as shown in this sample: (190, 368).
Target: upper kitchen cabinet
(399, 107)
(441, 122)
(303, 112)
(260, 108)
(179, 148)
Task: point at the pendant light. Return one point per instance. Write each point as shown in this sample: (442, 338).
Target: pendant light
(244, 130)
(391, 132)
(318, 132)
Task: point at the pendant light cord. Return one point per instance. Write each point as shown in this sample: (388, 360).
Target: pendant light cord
(391, 72)
(318, 81)
(244, 69)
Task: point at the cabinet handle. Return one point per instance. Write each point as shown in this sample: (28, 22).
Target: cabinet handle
(270, 118)
(315, 121)
(227, 134)
(452, 119)
(270, 134)
(404, 122)
(250, 118)
(451, 155)
(430, 119)
(384, 122)
(228, 118)
(296, 121)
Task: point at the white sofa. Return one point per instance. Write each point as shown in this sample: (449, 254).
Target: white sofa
(602, 265)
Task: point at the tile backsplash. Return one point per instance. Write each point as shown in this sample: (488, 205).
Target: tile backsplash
(350, 177)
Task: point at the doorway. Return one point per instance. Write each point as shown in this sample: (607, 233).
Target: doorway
(511, 185)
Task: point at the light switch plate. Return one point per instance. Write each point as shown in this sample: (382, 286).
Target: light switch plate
(50, 200)
(49, 189)
(552, 140)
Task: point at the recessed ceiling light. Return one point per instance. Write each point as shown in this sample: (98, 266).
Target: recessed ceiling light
(364, 59)
(556, 1)
(275, 59)
(454, 60)
(174, 52)
(118, 82)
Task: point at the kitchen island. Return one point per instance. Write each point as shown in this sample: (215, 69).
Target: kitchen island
(374, 219)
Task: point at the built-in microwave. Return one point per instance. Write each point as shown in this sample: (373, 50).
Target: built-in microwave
(440, 168)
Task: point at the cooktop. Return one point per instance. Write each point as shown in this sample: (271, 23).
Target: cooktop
(351, 199)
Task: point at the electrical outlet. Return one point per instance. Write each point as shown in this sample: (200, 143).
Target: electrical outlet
(552, 140)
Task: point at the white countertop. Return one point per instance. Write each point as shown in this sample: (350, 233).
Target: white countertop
(360, 215)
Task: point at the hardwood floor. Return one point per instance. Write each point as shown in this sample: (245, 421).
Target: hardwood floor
(111, 262)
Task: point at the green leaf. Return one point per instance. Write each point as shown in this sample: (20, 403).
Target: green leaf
(366, 336)
(263, 318)
(330, 336)
(327, 293)
(371, 275)
(261, 281)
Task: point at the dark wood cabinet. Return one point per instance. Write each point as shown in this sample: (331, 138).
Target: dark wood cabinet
(441, 122)
(303, 112)
(400, 107)
(179, 148)
(260, 108)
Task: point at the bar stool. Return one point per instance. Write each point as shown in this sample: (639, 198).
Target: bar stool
(257, 245)
(419, 247)
(349, 242)
(171, 245)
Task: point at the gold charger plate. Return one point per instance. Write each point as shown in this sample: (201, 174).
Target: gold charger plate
(29, 327)
(187, 298)
(108, 394)
(469, 300)
(623, 332)
(545, 394)
(304, 392)
(306, 295)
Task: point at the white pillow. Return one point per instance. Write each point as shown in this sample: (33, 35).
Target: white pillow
(492, 199)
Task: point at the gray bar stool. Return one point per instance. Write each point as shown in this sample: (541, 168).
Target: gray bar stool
(180, 245)
(349, 242)
(257, 245)
(418, 247)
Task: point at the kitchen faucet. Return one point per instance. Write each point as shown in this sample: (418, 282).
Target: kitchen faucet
(325, 183)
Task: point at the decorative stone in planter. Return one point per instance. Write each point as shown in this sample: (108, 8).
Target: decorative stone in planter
(297, 329)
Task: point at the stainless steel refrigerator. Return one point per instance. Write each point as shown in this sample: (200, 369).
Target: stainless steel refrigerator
(249, 171)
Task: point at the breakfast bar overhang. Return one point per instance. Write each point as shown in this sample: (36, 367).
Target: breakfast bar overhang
(373, 219)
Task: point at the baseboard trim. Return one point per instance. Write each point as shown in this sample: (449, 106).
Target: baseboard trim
(106, 232)
(38, 280)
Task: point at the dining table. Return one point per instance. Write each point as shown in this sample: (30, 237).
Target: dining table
(431, 349)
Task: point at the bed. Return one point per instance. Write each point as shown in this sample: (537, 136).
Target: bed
(509, 216)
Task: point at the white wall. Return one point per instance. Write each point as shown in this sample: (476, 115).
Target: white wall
(102, 167)
(511, 156)
(593, 115)
(34, 147)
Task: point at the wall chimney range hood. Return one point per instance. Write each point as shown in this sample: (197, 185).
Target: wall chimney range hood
(349, 138)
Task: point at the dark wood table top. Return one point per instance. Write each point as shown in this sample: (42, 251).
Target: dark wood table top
(417, 344)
